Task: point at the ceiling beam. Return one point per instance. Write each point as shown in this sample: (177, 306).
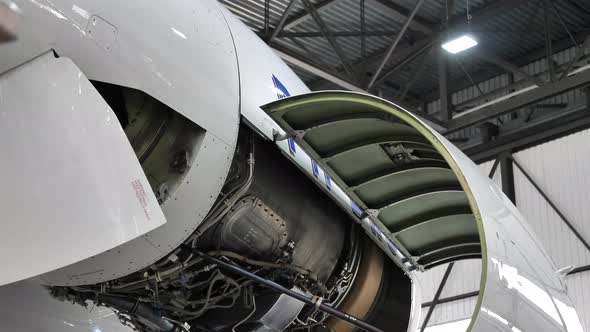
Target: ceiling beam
(396, 12)
(480, 16)
(328, 34)
(393, 46)
(316, 70)
(282, 22)
(531, 96)
(387, 33)
(400, 14)
(531, 134)
(493, 94)
(506, 65)
(304, 15)
(484, 75)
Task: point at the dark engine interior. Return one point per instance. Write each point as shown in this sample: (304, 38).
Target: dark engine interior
(271, 220)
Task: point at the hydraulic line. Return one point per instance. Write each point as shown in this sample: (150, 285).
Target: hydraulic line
(313, 301)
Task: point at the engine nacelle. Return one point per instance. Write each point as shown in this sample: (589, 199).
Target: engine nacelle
(341, 196)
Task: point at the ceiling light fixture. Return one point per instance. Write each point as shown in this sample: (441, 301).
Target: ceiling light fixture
(459, 44)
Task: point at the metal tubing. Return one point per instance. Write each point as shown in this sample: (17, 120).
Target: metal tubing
(488, 56)
(437, 295)
(392, 48)
(301, 297)
(282, 21)
(519, 99)
(363, 29)
(579, 52)
(553, 206)
(453, 298)
(548, 42)
(562, 22)
(458, 61)
(579, 269)
(406, 60)
(304, 15)
(266, 16)
(328, 34)
(494, 167)
(417, 73)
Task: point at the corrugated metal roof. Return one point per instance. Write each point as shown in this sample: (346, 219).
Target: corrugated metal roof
(509, 33)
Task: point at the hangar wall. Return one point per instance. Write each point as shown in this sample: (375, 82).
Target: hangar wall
(561, 168)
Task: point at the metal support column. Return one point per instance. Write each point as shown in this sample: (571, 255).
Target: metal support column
(446, 113)
(437, 295)
(507, 176)
(445, 109)
(266, 17)
(548, 45)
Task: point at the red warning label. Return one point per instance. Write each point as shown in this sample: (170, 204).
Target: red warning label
(141, 196)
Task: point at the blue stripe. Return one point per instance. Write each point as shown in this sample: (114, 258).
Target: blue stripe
(280, 87)
(315, 168)
(292, 146)
(328, 182)
(392, 247)
(375, 231)
(356, 209)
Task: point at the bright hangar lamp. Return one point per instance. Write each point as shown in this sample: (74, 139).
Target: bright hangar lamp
(459, 44)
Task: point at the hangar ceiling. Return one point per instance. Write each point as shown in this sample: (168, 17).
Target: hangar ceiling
(501, 95)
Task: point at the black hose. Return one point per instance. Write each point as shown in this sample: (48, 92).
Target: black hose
(301, 297)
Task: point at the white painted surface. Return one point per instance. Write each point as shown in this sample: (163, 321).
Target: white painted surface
(258, 65)
(26, 307)
(71, 184)
(183, 56)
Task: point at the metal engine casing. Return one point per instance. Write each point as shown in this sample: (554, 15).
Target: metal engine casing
(281, 207)
(281, 216)
(253, 229)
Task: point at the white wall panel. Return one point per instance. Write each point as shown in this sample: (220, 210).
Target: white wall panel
(577, 286)
(561, 168)
(464, 278)
(451, 311)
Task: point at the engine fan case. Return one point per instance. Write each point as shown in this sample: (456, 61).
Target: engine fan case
(520, 288)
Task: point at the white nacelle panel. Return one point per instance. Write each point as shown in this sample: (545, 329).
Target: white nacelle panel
(72, 185)
(26, 306)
